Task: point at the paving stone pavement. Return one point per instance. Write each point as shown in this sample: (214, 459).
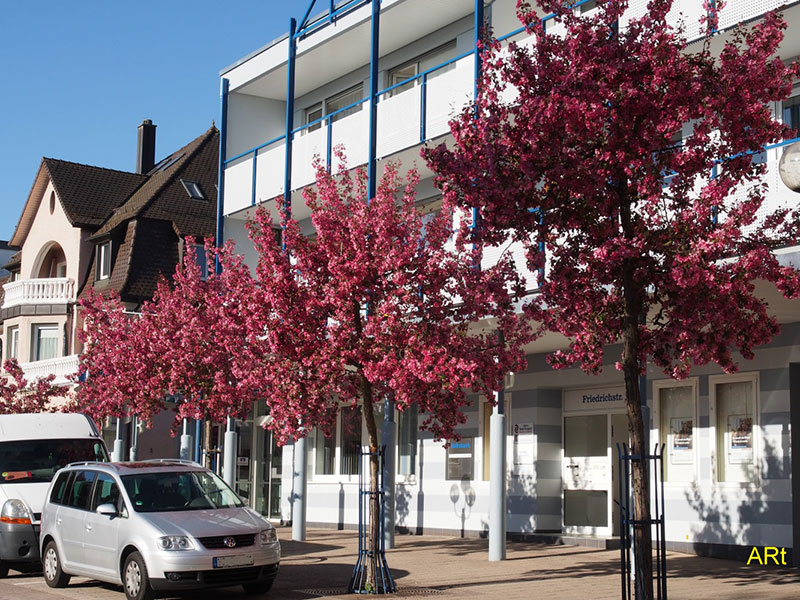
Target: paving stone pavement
(441, 567)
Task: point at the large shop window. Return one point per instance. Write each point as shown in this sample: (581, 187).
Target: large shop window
(351, 440)
(734, 403)
(325, 451)
(407, 428)
(676, 425)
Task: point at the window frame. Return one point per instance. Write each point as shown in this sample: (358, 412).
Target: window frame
(68, 490)
(323, 107)
(12, 342)
(36, 342)
(754, 378)
(103, 270)
(661, 384)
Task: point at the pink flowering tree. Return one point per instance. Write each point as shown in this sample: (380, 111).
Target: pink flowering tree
(188, 340)
(574, 142)
(18, 396)
(378, 303)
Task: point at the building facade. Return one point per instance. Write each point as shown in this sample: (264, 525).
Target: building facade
(85, 227)
(728, 457)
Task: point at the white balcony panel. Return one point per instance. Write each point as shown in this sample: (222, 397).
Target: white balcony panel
(399, 121)
(516, 251)
(686, 11)
(305, 146)
(449, 90)
(238, 184)
(352, 133)
(270, 169)
(736, 11)
(54, 290)
(61, 367)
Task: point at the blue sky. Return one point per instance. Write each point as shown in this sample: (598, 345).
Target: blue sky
(79, 76)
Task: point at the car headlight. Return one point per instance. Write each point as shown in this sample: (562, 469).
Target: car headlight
(267, 536)
(175, 542)
(15, 511)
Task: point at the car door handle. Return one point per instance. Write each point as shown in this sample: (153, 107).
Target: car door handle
(88, 528)
(58, 521)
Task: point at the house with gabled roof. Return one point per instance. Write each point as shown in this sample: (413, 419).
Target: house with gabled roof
(86, 227)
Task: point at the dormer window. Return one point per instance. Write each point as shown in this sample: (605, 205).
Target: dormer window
(103, 261)
(193, 189)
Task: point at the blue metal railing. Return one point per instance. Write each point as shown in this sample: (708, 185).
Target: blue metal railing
(420, 79)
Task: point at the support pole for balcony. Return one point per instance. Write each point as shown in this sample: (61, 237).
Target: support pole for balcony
(372, 165)
(133, 454)
(229, 458)
(290, 78)
(223, 129)
(119, 448)
(186, 442)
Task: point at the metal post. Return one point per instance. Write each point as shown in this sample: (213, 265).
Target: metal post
(388, 435)
(299, 494)
(223, 128)
(119, 447)
(497, 480)
(372, 165)
(290, 77)
(134, 451)
(229, 459)
(198, 436)
(186, 442)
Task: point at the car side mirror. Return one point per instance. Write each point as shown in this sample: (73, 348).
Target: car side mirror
(107, 509)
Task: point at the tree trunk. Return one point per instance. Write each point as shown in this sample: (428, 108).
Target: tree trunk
(374, 499)
(643, 554)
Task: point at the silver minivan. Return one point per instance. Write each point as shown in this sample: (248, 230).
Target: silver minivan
(153, 526)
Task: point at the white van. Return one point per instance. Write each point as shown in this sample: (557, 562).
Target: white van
(32, 448)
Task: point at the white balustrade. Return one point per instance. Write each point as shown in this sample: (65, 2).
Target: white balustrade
(62, 367)
(55, 290)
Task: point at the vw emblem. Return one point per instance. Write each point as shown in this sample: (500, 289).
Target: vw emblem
(229, 542)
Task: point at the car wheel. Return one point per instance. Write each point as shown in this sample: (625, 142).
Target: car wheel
(259, 587)
(135, 579)
(54, 575)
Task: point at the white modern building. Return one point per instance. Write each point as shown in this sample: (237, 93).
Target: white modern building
(729, 464)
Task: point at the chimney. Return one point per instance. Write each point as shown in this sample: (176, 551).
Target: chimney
(146, 147)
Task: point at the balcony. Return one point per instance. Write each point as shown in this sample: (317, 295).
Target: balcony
(62, 367)
(55, 290)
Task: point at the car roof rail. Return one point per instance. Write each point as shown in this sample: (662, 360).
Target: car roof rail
(174, 461)
(90, 463)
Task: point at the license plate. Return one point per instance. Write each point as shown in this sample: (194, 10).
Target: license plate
(241, 560)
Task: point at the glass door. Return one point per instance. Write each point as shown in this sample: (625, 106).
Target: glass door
(586, 475)
(266, 467)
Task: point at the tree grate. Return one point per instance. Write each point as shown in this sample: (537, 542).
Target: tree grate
(400, 593)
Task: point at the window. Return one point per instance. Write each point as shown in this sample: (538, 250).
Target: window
(60, 487)
(351, 440)
(325, 451)
(334, 104)
(407, 441)
(791, 112)
(587, 6)
(734, 414)
(78, 496)
(675, 419)
(103, 261)
(201, 260)
(106, 491)
(408, 71)
(45, 342)
(193, 189)
(12, 335)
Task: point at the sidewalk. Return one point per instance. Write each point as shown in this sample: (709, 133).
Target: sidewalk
(442, 567)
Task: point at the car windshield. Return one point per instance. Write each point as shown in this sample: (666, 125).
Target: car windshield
(26, 461)
(179, 490)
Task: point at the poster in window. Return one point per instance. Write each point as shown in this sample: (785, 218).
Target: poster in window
(681, 442)
(740, 438)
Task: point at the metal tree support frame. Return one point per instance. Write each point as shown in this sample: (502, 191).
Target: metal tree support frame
(629, 522)
(384, 584)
